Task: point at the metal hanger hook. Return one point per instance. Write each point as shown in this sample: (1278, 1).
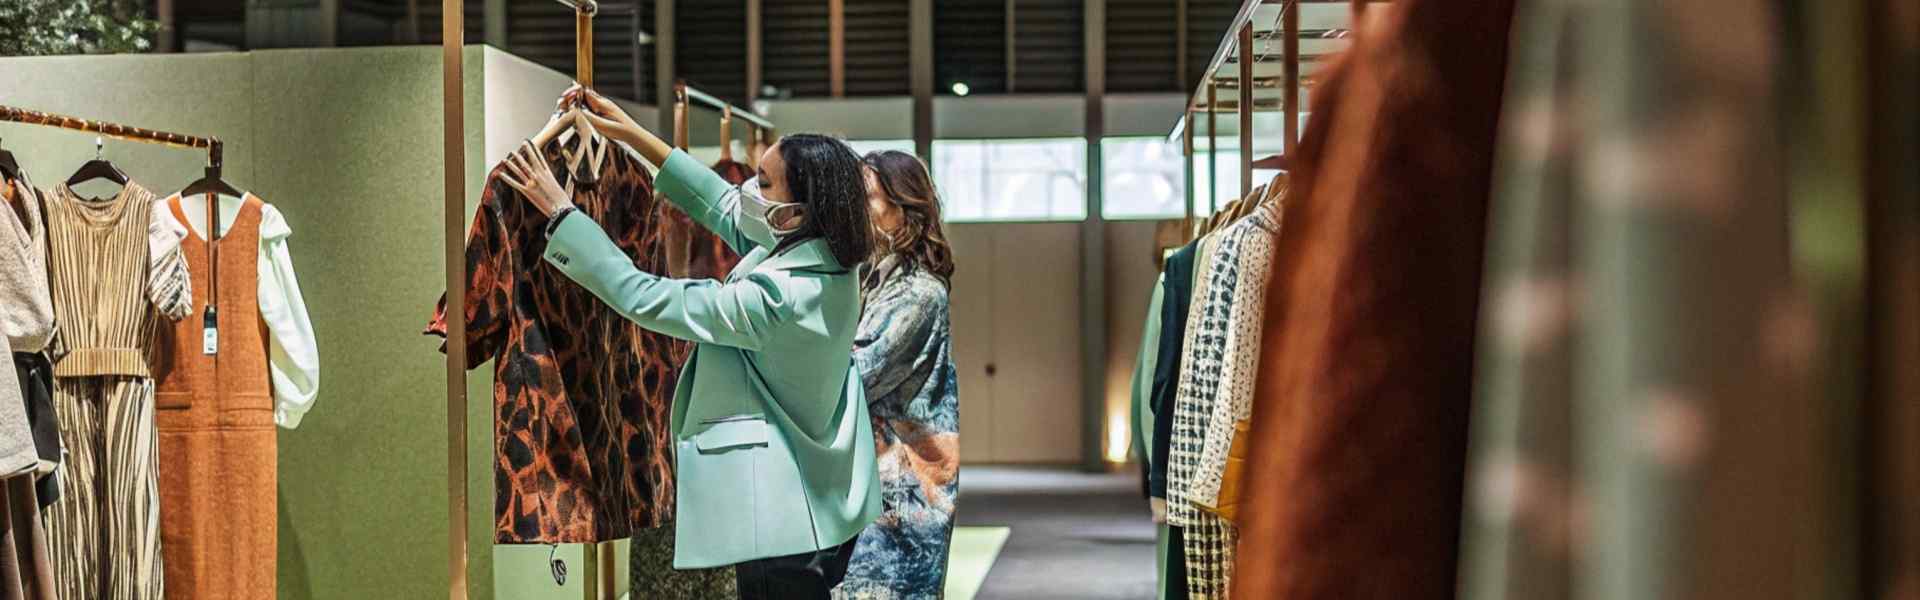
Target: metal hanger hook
(99, 148)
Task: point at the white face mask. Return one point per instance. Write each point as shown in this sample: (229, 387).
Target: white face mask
(757, 215)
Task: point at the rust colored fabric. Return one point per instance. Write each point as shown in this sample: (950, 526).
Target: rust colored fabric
(219, 531)
(581, 395)
(1360, 422)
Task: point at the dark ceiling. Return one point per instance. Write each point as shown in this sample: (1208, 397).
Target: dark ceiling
(970, 41)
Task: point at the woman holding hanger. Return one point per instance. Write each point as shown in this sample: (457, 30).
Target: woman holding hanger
(774, 449)
(905, 354)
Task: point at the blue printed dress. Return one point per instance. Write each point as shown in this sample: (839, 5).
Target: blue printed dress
(904, 350)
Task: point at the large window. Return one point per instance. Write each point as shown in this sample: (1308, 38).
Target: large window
(1144, 178)
(1226, 167)
(1012, 180)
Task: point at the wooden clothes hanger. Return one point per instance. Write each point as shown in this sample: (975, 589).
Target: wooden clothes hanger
(571, 126)
(1250, 202)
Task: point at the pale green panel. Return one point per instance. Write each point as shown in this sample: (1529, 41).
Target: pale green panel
(520, 97)
(202, 94)
(479, 381)
(851, 118)
(349, 149)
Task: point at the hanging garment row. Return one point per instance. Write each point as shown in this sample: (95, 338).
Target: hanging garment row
(150, 411)
(1194, 383)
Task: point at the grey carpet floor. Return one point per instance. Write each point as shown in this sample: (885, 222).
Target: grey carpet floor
(1076, 536)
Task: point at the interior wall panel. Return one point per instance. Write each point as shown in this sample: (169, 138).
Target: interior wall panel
(972, 313)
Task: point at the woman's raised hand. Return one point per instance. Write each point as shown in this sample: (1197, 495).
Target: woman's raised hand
(610, 119)
(528, 172)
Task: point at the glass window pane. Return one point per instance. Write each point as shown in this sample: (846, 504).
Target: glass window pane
(1226, 167)
(1012, 180)
(1143, 178)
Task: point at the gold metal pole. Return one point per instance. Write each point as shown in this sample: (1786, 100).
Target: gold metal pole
(601, 584)
(1290, 47)
(1186, 135)
(453, 136)
(1213, 146)
(680, 116)
(837, 47)
(583, 44)
(1246, 110)
(726, 133)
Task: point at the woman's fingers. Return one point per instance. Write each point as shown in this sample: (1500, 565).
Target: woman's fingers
(600, 105)
(601, 123)
(514, 166)
(534, 154)
(524, 190)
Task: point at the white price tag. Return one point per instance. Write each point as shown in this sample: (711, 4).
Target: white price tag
(209, 333)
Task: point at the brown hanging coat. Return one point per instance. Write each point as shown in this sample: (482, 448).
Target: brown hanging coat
(1360, 418)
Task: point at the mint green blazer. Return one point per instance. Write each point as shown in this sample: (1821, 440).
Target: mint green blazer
(773, 447)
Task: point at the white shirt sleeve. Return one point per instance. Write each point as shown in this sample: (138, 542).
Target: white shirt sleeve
(293, 354)
(169, 285)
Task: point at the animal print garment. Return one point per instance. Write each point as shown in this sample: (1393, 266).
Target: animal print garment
(581, 395)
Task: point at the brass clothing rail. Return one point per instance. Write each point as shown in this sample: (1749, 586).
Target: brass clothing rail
(213, 146)
(685, 93)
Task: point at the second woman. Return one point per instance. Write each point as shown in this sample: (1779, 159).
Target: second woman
(905, 354)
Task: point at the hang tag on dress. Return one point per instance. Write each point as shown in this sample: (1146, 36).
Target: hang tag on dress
(209, 332)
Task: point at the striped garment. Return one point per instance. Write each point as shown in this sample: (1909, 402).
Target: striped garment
(108, 262)
(104, 532)
(1209, 554)
(116, 270)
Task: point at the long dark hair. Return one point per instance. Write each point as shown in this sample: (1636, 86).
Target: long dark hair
(922, 237)
(824, 175)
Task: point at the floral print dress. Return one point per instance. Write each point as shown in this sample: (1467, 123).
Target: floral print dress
(904, 351)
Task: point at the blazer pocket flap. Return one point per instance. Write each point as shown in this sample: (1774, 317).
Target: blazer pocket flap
(732, 432)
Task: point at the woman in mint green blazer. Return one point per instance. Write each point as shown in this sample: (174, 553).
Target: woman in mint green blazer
(774, 448)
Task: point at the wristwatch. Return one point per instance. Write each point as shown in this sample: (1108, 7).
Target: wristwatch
(553, 222)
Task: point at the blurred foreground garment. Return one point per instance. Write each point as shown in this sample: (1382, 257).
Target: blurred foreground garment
(1360, 417)
(1692, 374)
(1669, 395)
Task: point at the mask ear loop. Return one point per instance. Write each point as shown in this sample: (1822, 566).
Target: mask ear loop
(799, 213)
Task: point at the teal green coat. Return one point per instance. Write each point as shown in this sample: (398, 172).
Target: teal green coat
(773, 447)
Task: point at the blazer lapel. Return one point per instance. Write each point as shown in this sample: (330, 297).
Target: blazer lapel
(811, 256)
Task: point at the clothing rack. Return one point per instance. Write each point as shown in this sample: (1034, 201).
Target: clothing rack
(599, 582)
(1257, 24)
(215, 155)
(115, 130)
(685, 95)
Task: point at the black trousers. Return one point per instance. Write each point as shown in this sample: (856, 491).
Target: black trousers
(36, 382)
(804, 576)
(1176, 581)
